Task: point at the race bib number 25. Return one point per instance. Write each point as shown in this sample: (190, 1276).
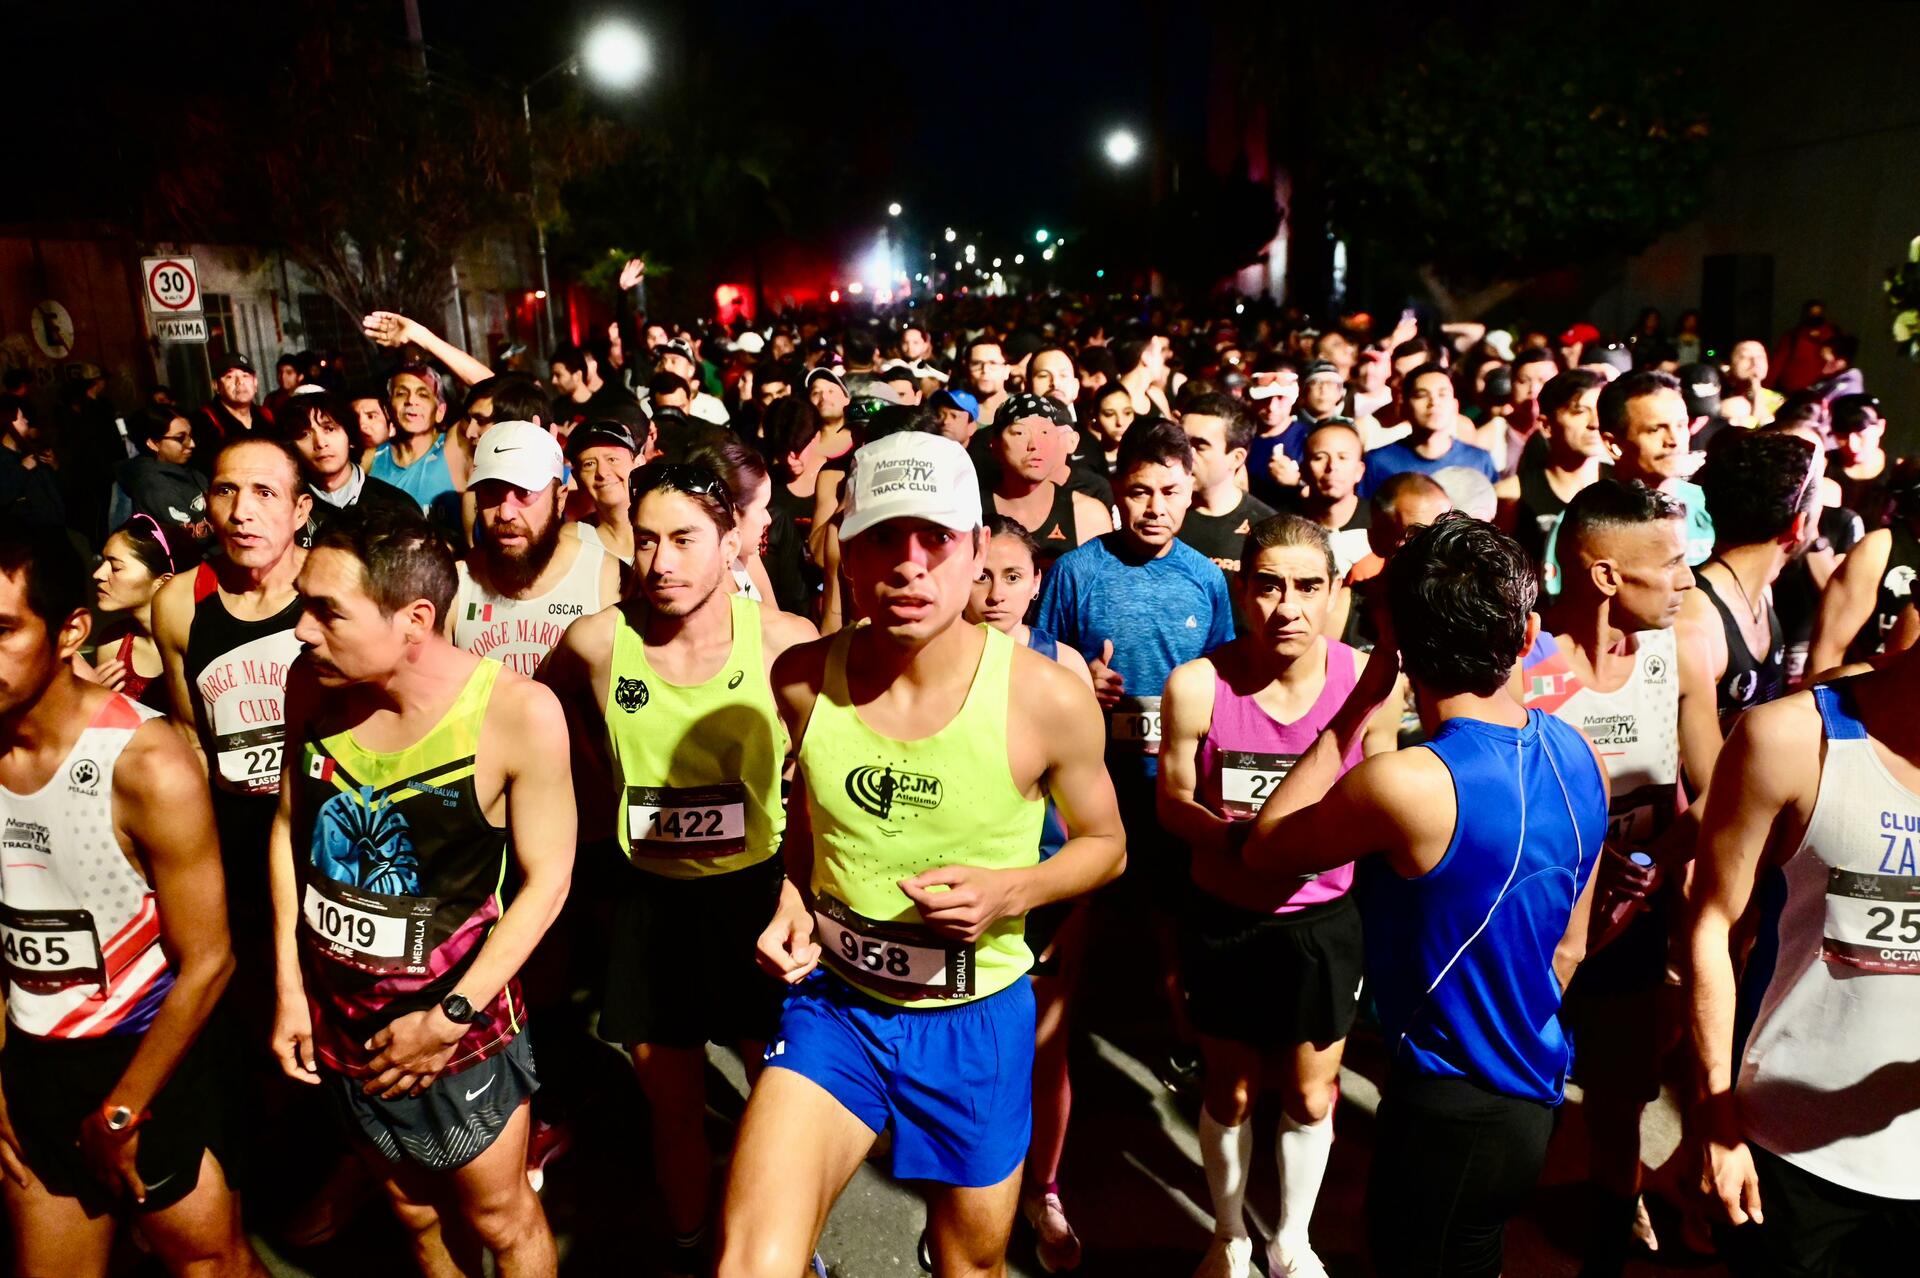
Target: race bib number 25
(1873, 922)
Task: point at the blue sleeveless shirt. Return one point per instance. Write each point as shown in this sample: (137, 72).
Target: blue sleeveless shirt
(1053, 832)
(1460, 960)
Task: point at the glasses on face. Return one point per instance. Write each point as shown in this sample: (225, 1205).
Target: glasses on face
(679, 477)
(986, 363)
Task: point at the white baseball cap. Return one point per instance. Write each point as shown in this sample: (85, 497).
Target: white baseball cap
(911, 475)
(518, 453)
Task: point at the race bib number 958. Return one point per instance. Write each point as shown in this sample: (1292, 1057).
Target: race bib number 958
(898, 960)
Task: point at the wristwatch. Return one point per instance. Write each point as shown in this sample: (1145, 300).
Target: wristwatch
(119, 1119)
(457, 1009)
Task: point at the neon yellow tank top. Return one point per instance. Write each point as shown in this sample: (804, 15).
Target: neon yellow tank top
(885, 810)
(700, 765)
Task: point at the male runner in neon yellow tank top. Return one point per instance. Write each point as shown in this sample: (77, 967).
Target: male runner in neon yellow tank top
(926, 749)
(419, 771)
(668, 695)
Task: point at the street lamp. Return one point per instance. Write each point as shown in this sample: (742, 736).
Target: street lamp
(893, 209)
(1041, 236)
(1122, 148)
(615, 56)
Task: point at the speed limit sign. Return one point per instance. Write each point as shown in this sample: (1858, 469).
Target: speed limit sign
(173, 285)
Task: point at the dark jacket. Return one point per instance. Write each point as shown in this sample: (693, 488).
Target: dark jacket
(373, 492)
(30, 494)
(173, 496)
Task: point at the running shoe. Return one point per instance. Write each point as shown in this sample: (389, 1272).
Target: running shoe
(1181, 1073)
(548, 1142)
(1293, 1262)
(1227, 1258)
(1055, 1243)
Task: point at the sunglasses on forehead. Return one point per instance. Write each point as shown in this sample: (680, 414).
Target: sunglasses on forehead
(679, 477)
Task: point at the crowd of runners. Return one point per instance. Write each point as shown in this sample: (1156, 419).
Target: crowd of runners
(850, 692)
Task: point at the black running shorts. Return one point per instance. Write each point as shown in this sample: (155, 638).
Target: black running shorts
(1271, 980)
(681, 970)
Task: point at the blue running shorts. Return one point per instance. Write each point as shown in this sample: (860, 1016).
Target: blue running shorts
(954, 1083)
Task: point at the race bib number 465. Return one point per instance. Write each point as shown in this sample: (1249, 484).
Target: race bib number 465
(898, 960)
(1873, 922)
(48, 950)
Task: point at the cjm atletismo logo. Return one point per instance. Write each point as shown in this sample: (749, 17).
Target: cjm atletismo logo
(878, 789)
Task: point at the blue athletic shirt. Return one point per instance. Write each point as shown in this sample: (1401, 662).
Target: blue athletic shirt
(424, 480)
(1159, 614)
(1460, 960)
(1053, 831)
(1397, 458)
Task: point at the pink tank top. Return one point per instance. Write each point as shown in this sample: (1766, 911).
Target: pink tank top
(1243, 758)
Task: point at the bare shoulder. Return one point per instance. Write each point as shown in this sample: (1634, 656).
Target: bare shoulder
(1779, 730)
(799, 673)
(1409, 786)
(1045, 690)
(173, 602)
(157, 771)
(591, 637)
(1068, 658)
(781, 631)
(1191, 679)
(525, 709)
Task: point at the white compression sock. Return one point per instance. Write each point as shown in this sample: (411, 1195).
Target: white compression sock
(1303, 1149)
(1224, 1153)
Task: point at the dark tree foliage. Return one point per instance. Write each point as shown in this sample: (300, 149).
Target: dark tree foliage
(362, 167)
(1483, 155)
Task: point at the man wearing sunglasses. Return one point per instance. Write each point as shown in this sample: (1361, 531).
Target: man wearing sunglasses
(925, 750)
(523, 583)
(677, 740)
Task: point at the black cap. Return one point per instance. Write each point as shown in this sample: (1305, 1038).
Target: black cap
(227, 363)
(1019, 406)
(1700, 387)
(598, 435)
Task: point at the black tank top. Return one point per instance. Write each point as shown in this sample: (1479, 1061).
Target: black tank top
(1057, 533)
(1895, 593)
(1747, 682)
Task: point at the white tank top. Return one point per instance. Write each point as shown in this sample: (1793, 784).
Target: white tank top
(1827, 1079)
(520, 633)
(79, 930)
(1635, 728)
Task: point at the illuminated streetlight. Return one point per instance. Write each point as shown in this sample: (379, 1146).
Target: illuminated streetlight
(1122, 148)
(1048, 255)
(616, 54)
(1041, 236)
(893, 209)
(1019, 259)
(996, 262)
(951, 236)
